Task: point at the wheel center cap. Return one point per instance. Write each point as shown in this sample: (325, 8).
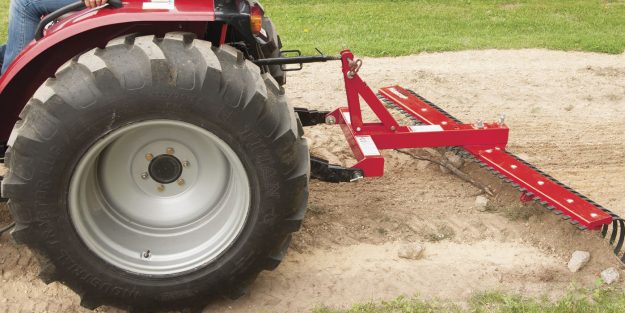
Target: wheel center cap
(165, 169)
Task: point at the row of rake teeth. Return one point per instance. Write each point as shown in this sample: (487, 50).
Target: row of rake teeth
(617, 235)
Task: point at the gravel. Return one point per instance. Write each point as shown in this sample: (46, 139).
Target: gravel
(480, 203)
(411, 251)
(610, 275)
(578, 260)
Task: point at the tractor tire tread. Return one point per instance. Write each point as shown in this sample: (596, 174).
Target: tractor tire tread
(147, 61)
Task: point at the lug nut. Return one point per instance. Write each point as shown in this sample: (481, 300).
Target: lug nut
(170, 151)
(149, 156)
(160, 188)
(144, 175)
(186, 164)
(181, 182)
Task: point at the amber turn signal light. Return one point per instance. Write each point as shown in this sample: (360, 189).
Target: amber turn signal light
(256, 19)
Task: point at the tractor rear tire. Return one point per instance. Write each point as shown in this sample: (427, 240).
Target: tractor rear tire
(157, 174)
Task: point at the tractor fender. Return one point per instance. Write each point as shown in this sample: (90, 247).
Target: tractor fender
(84, 31)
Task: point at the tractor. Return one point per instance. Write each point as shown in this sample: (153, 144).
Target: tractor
(155, 164)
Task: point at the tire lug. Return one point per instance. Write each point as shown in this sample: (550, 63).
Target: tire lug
(171, 151)
(149, 156)
(160, 188)
(186, 164)
(144, 175)
(181, 182)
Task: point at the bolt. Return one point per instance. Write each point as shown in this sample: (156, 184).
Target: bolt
(479, 124)
(356, 176)
(146, 254)
(358, 129)
(170, 151)
(181, 182)
(330, 120)
(144, 175)
(186, 164)
(393, 128)
(160, 188)
(149, 156)
(502, 119)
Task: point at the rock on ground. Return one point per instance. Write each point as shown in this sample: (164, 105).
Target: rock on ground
(578, 260)
(610, 275)
(411, 251)
(480, 203)
(454, 159)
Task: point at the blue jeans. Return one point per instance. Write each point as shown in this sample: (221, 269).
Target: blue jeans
(24, 16)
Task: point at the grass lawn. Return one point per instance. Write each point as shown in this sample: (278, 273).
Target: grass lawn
(576, 301)
(391, 28)
(4, 18)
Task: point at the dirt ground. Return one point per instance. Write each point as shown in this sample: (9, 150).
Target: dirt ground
(566, 111)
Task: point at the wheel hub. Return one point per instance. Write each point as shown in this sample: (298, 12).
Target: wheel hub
(159, 197)
(165, 169)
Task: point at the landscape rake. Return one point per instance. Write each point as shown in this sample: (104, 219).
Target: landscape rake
(483, 143)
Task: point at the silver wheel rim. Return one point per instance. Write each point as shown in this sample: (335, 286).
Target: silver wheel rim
(130, 220)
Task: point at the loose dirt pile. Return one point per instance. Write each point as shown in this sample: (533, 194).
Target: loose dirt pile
(566, 112)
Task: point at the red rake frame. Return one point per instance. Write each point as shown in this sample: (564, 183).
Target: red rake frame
(485, 141)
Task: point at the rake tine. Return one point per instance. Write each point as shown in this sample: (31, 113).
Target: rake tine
(604, 230)
(614, 232)
(621, 239)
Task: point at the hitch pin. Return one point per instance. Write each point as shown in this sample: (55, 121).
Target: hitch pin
(356, 176)
(354, 67)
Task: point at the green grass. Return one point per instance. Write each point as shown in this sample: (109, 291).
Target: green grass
(390, 28)
(4, 18)
(576, 301)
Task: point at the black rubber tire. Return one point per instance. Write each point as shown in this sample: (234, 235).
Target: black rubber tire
(141, 78)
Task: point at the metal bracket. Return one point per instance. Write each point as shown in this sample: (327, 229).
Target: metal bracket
(2, 200)
(311, 117)
(324, 171)
(298, 60)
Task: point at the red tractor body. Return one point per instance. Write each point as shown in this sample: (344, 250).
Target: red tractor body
(87, 29)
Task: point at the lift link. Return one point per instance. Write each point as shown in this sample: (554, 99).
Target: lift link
(324, 171)
(311, 117)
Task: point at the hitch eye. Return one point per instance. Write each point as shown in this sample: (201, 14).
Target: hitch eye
(256, 19)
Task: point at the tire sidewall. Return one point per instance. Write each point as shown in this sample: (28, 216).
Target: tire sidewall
(52, 177)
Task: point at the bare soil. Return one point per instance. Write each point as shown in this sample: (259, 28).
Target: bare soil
(566, 111)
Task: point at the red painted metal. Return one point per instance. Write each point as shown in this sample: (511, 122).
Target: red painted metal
(224, 32)
(367, 138)
(486, 142)
(84, 30)
(561, 199)
(526, 198)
